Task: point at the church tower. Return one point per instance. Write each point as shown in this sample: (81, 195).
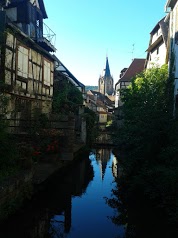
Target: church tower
(105, 83)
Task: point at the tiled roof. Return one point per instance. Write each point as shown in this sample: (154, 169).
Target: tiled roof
(137, 66)
(102, 97)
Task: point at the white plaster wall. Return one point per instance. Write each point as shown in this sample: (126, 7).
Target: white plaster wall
(117, 95)
(157, 59)
(156, 35)
(116, 99)
(102, 118)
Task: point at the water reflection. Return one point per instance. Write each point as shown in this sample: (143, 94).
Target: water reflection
(140, 217)
(39, 217)
(103, 157)
(71, 204)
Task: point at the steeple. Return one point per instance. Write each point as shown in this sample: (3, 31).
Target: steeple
(105, 82)
(107, 69)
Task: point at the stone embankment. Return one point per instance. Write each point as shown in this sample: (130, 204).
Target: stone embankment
(16, 189)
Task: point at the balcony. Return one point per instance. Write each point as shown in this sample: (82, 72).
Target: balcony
(46, 38)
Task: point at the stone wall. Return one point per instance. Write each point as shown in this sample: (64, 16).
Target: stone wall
(65, 124)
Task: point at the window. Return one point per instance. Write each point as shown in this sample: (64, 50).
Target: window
(47, 73)
(157, 50)
(23, 54)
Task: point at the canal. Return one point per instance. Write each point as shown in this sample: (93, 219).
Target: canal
(71, 204)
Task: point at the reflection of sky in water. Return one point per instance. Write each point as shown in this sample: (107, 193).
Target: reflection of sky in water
(90, 211)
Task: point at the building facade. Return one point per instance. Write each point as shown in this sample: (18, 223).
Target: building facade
(126, 76)
(27, 67)
(157, 49)
(171, 8)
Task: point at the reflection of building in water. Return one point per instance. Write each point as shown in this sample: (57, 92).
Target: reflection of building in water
(117, 170)
(61, 223)
(102, 157)
(74, 184)
(50, 213)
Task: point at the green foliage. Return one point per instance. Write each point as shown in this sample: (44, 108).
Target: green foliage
(40, 121)
(149, 137)
(8, 151)
(67, 99)
(147, 113)
(109, 123)
(91, 125)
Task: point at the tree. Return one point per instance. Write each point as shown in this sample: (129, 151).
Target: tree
(147, 112)
(149, 138)
(67, 99)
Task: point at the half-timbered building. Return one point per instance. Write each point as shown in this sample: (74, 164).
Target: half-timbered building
(26, 65)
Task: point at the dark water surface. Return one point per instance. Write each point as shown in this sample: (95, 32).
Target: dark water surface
(72, 204)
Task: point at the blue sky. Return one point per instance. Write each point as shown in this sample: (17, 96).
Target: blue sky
(88, 30)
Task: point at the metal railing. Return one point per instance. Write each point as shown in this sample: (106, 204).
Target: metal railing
(49, 34)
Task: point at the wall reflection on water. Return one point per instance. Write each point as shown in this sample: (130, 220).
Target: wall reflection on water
(71, 204)
(39, 217)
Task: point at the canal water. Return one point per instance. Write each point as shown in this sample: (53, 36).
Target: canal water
(72, 204)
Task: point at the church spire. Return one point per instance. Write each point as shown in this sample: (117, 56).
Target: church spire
(107, 69)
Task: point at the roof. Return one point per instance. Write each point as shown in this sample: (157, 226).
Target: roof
(107, 69)
(41, 5)
(156, 43)
(101, 97)
(162, 38)
(170, 3)
(137, 66)
(164, 26)
(111, 97)
(62, 69)
(156, 27)
(123, 70)
(42, 8)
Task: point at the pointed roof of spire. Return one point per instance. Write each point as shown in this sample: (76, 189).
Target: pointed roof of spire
(107, 69)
